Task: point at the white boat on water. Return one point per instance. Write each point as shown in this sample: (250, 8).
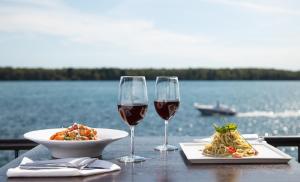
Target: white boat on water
(218, 109)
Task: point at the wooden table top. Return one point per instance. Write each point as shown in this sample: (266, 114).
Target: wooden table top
(171, 166)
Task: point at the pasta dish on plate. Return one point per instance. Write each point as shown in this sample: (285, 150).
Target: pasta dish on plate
(76, 132)
(227, 141)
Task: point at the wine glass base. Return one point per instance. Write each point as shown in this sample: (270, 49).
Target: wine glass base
(166, 148)
(131, 159)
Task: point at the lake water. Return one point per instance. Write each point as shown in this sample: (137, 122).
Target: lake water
(265, 107)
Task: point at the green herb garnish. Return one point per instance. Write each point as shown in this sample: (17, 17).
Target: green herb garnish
(225, 128)
(67, 138)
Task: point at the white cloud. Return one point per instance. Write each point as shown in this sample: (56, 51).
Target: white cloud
(258, 6)
(139, 38)
(36, 3)
(87, 28)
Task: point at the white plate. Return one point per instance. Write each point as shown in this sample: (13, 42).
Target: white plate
(267, 154)
(63, 149)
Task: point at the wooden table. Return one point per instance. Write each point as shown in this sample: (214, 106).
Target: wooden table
(171, 166)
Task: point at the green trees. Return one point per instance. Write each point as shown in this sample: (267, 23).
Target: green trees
(8, 73)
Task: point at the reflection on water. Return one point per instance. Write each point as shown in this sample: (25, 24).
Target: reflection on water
(271, 114)
(263, 107)
(272, 107)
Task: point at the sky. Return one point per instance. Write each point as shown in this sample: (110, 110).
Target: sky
(150, 33)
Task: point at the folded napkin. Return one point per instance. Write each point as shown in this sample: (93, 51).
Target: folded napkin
(97, 167)
(246, 136)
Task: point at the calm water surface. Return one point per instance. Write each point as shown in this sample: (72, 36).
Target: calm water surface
(265, 107)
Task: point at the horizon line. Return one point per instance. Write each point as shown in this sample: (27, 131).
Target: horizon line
(153, 68)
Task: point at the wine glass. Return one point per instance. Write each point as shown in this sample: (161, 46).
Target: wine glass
(166, 104)
(132, 106)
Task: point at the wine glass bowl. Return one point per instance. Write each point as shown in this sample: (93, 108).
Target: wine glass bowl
(132, 107)
(167, 100)
(132, 114)
(166, 109)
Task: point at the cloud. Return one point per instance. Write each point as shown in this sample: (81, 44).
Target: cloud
(259, 7)
(137, 35)
(139, 38)
(36, 3)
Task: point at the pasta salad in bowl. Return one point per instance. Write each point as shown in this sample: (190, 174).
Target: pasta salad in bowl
(78, 140)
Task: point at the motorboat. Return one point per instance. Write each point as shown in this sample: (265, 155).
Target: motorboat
(218, 109)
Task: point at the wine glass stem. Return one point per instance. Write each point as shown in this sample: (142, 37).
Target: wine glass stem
(166, 133)
(131, 141)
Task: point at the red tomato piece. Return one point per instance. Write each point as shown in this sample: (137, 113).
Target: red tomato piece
(230, 149)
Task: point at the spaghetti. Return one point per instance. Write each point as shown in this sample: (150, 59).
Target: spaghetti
(227, 141)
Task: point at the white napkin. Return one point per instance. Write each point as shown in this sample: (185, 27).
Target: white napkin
(246, 136)
(17, 172)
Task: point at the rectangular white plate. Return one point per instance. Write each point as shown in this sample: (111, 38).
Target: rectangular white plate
(267, 154)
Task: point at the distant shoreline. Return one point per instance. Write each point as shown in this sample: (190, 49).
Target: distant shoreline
(73, 74)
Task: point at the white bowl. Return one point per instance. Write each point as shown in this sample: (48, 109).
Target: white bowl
(64, 149)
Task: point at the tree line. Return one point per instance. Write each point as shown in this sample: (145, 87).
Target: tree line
(9, 73)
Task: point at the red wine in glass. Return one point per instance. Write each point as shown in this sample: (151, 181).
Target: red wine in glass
(166, 109)
(166, 104)
(132, 114)
(132, 107)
